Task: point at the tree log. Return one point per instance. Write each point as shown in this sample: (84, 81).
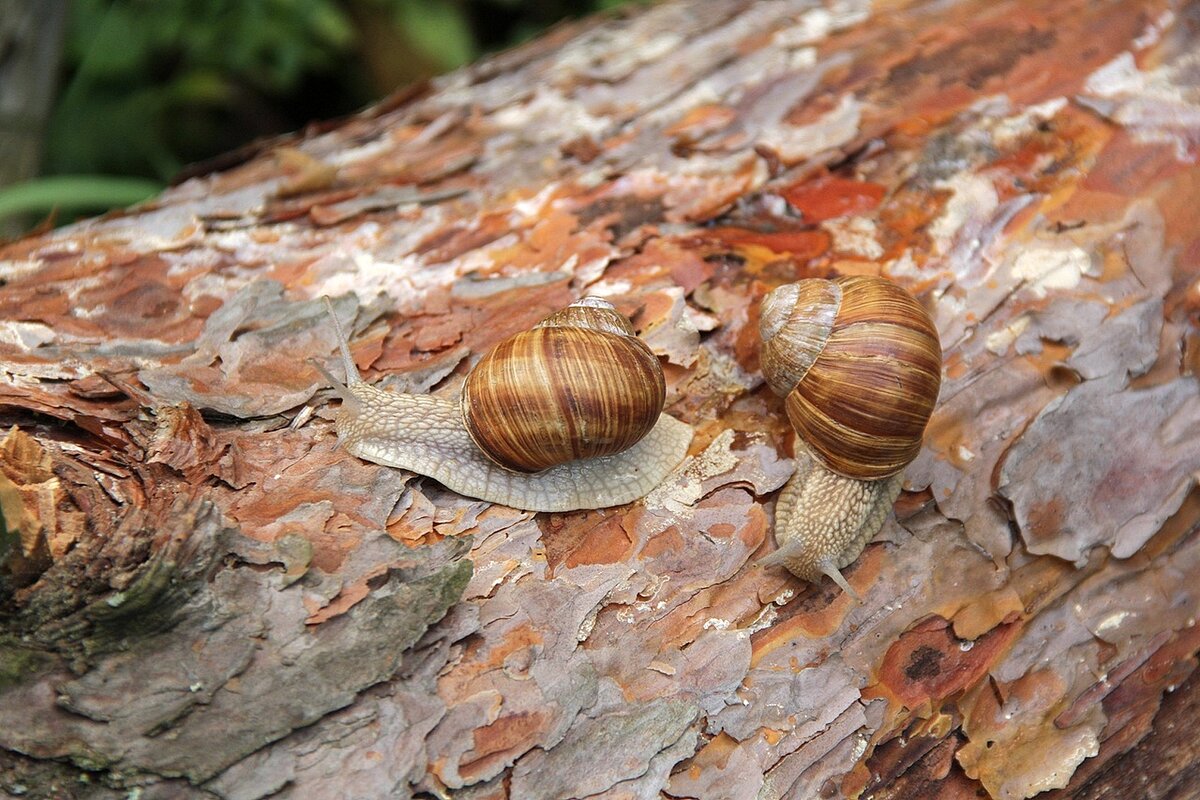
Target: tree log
(205, 596)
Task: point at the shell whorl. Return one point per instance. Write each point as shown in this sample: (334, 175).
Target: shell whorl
(593, 313)
(795, 324)
(860, 364)
(578, 385)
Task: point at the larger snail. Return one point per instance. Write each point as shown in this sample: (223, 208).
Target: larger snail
(859, 363)
(564, 416)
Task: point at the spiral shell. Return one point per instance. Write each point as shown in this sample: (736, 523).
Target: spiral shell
(579, 384)
(859, 362)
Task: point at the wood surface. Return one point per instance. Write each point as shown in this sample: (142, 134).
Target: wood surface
(205, 597)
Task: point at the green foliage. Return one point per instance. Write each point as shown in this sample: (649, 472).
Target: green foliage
(157, 83)
(438, 29)
(152, 85)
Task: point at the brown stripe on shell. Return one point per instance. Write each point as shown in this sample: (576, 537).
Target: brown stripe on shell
(864, 403)
(863, 410)
(555, 394)
(866, 298)
(878, 378)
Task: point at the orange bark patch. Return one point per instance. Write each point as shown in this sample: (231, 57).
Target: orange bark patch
(506, 732)
(701, 121)
(346, 599)
(438, 333)
(801, 245)
(607, 543)
(830, 196)
(1127, 167)
(1045, 519)
(689, 270)
(819, 610)
(929, 664)
(598, 537)
(497, 742)
(1177, 200)
(905, 216)
(483, 656)
(665, 542)
(452, 242)
(1052, 156)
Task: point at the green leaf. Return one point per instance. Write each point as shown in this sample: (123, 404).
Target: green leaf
(200, 87)
(74, 192)
(439, 30)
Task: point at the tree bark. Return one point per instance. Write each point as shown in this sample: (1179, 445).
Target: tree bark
(204, 596)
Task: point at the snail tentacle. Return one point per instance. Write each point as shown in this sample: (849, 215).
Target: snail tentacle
(348, 365)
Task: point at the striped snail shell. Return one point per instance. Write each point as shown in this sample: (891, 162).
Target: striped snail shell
(859, 363)
(580, 384)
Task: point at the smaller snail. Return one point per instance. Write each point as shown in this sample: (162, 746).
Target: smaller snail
(859, 363)
(564, 416)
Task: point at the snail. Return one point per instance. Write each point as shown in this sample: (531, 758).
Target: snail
(564, 416)
(859, 363)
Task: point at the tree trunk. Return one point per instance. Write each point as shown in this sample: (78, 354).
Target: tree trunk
(205, 596)
(31, 38)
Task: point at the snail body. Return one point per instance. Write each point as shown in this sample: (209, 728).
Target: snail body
(859, 363)
(565, 416)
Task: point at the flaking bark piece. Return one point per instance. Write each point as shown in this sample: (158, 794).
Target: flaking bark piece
(29, 517)
(602, 751)
(250, 359)
(1015, 749)
(1126, 492)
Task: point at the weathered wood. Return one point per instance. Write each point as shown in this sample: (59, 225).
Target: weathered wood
(1161, 765)
(206, 597)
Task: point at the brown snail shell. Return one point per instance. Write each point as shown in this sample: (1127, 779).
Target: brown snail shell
(579, 385)
(859, 362)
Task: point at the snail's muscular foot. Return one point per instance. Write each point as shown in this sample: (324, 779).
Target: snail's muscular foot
(824, 520)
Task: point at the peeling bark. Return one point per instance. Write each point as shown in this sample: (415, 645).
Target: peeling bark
(203, 596)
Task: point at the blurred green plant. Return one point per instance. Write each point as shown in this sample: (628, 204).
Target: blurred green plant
(70, 193)
(152, 85)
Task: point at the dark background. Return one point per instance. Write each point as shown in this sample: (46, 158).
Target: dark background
(115, 97)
